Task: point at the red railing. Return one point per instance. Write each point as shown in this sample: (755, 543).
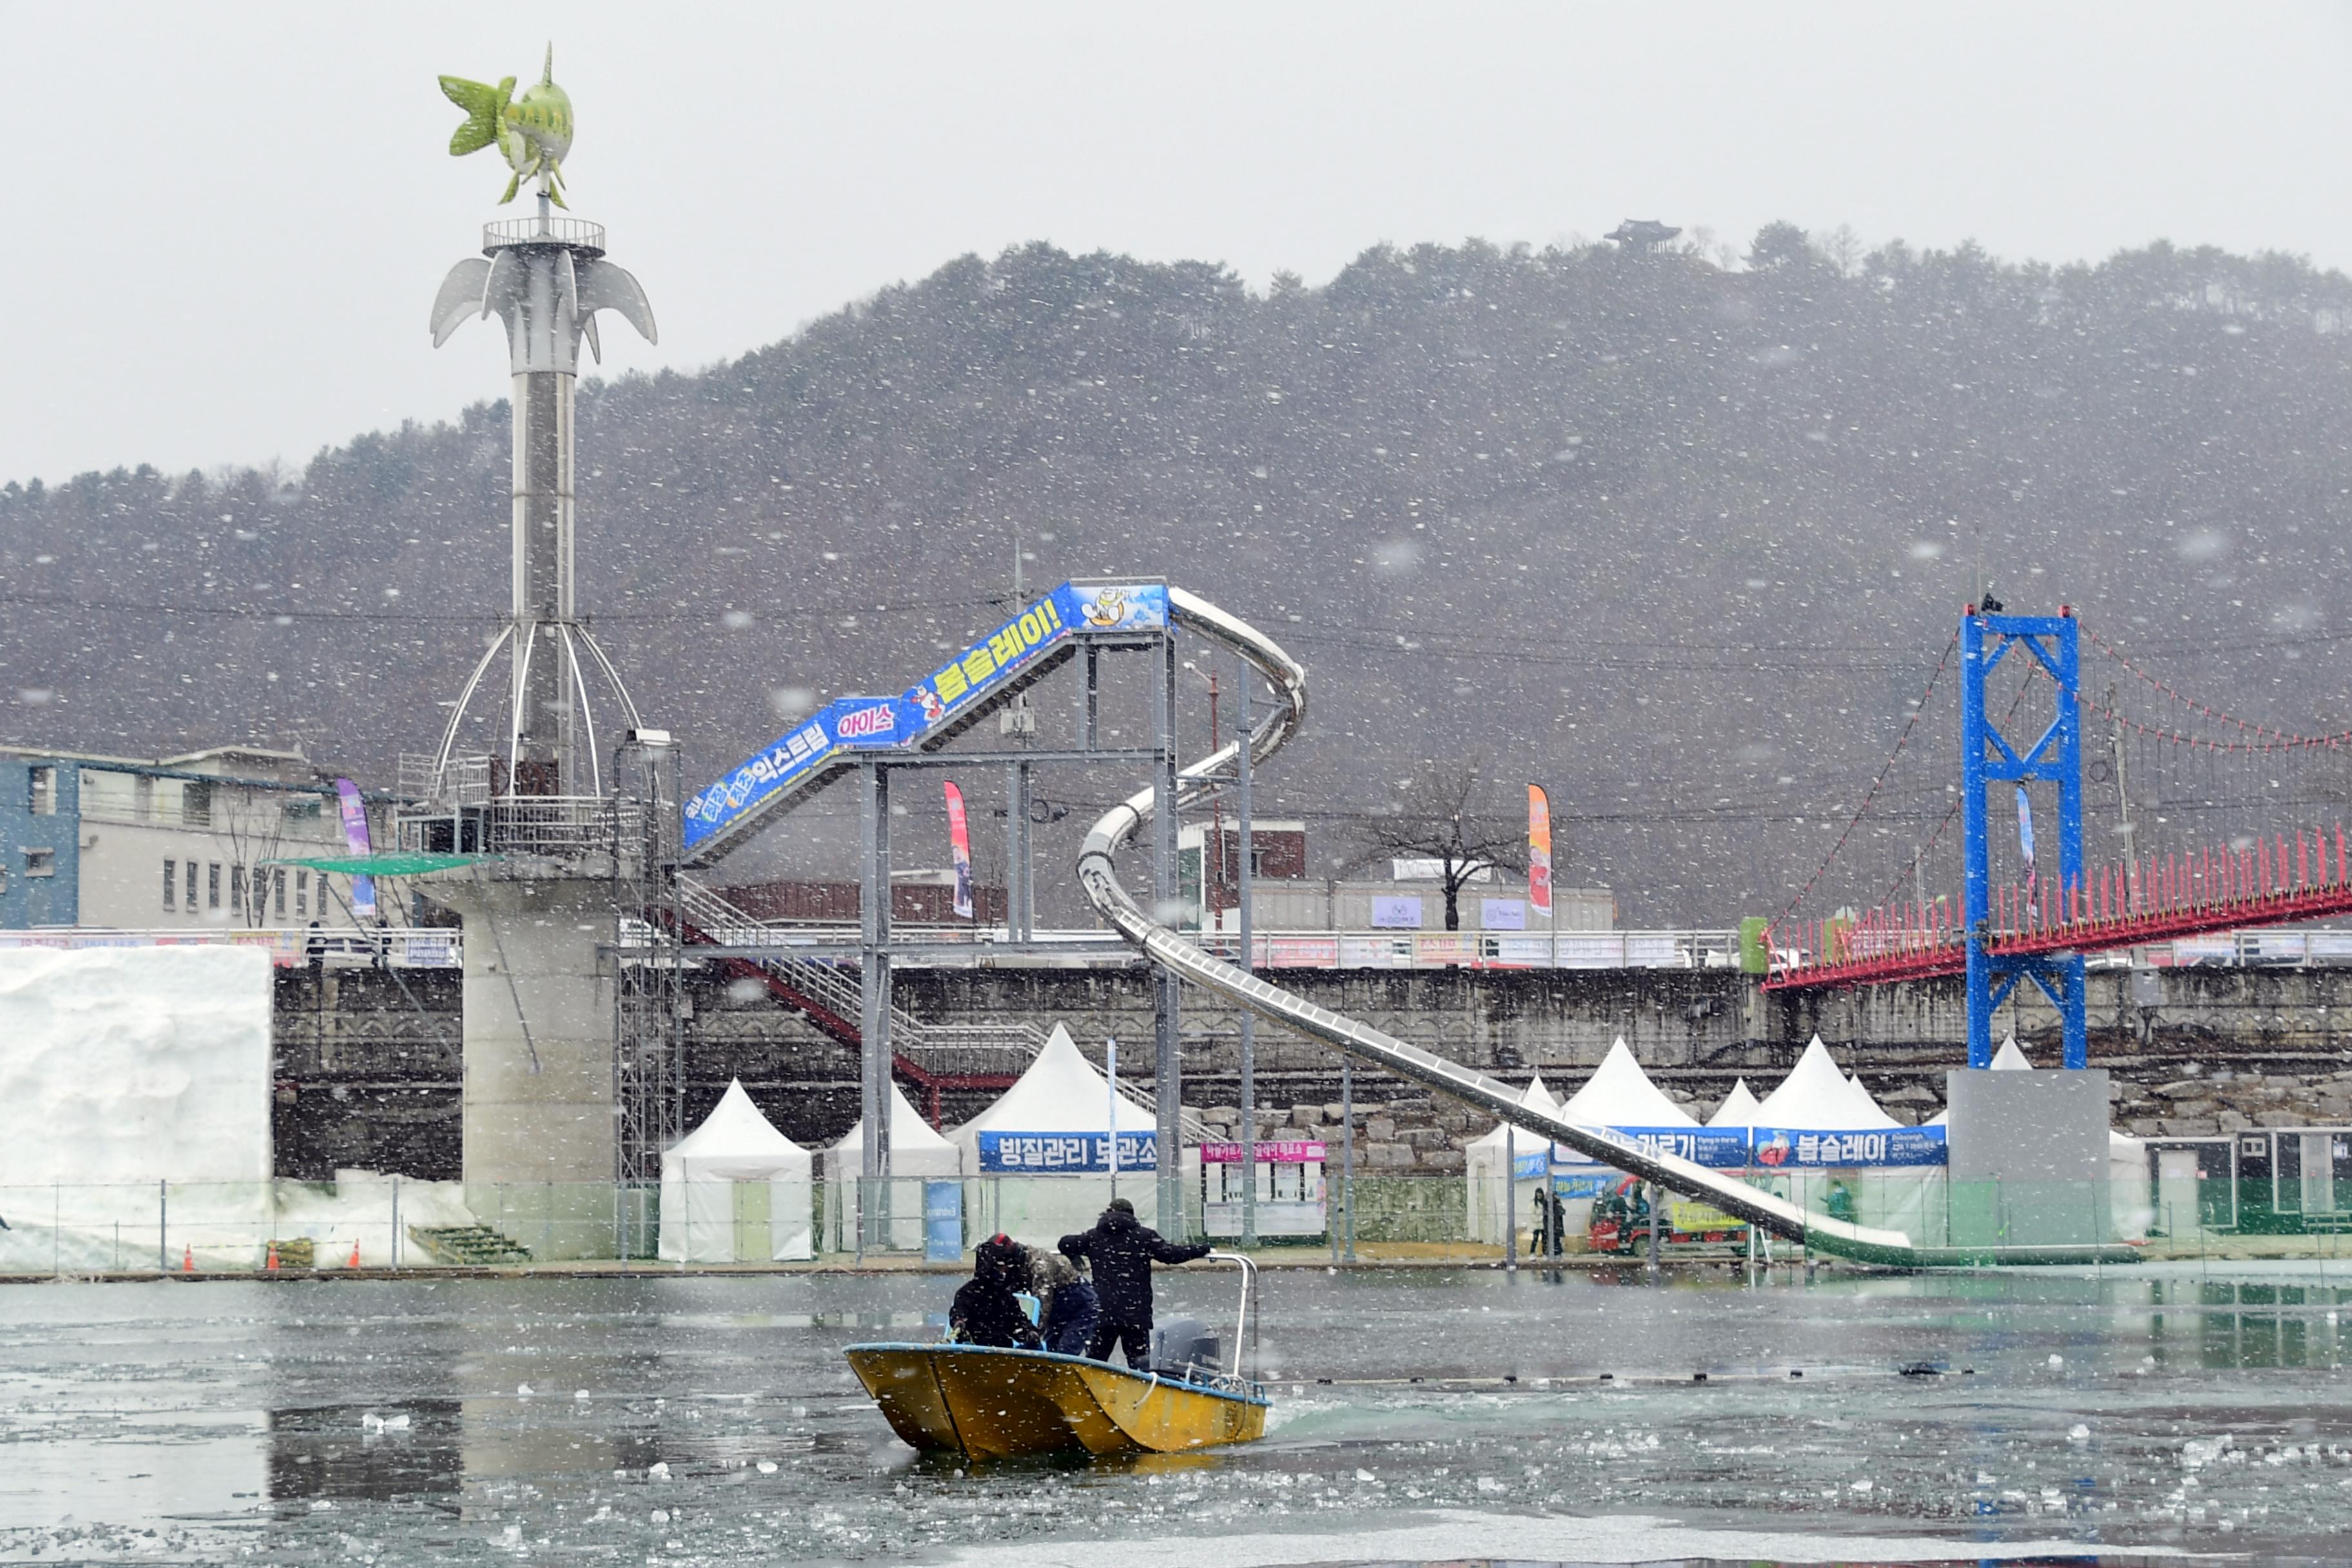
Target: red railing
(2266, 882)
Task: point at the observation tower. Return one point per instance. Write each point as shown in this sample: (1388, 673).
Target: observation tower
(556, 805)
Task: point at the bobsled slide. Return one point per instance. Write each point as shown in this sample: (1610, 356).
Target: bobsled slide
(1044, 636)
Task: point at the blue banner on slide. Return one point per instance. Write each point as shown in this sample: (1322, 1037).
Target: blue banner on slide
(1792, 1147)
(850, 725)
(1065, 1153)
(1717, 1148)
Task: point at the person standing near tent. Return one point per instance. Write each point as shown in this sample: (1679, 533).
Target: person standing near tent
(1122, 1250)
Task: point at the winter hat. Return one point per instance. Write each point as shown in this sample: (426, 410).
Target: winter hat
(1122, 1206)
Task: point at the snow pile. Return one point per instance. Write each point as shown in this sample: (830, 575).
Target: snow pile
(361, 1208)
(122, 1069)
(134, 1065)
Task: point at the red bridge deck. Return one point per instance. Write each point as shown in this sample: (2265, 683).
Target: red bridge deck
(2268, 884)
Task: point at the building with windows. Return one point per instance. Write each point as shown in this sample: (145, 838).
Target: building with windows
(178, 843)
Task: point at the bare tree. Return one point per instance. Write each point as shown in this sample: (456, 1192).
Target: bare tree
(1439, 818)
(1844, 249)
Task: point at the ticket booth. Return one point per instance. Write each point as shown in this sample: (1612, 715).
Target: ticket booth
(1290, 1197)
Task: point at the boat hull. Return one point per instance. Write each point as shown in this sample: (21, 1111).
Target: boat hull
(991, 1404)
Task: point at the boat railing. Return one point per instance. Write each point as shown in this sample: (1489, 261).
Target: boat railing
(1243, 1324)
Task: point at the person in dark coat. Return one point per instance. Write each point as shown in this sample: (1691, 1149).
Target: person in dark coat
(1122, 1251)
(1073, 1310)
(984, 1311)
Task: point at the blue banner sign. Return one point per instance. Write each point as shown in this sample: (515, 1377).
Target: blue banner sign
(849, 725)
(1581, 1186)
(1065, 1153)
(1715, 1148)
(1791, 1148)
(1530, 1164)
(942, 1222)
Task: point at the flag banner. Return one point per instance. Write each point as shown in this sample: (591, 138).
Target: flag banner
(2025, 830)
(355, 838)
(959, 843)
(1538, 851)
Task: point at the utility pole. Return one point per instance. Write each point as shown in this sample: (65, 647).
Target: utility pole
(1246, 889)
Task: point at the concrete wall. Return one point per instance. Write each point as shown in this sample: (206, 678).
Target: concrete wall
(2222, 1049)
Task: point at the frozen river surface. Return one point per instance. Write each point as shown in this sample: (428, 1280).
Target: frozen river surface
(711, 1420)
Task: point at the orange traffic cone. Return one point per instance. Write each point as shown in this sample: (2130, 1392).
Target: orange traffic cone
(355, 1253)
(272, 1264)
(188, 1259)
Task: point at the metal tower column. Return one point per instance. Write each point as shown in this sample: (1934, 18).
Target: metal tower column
(1988, 758)
(874, 1026)
(1167, 1065)
(1245, 887)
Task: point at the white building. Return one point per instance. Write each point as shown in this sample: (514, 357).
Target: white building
(130, 844)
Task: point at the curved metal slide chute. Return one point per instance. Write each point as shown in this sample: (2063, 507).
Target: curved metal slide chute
(1098, 875)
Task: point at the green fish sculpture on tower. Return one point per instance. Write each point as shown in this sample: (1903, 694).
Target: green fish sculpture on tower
(533, 132)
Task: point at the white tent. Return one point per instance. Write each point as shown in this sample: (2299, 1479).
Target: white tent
(1738, 1110)
(1034, 1161)
(1817, 1097)
(1483, 1160)
(918, 1155)
(1619, 1094)
(734, 1189)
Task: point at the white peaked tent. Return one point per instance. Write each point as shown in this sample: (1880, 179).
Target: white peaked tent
(1483, 1160)
(1817, 1097)
(1619, 1094)
(1061, 1093)
(1738, 1110)
(918, 1154)
(734, 1189)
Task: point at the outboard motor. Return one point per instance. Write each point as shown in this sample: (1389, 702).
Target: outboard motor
(1186, 1348)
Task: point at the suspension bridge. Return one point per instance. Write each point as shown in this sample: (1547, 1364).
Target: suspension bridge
(2033, 925)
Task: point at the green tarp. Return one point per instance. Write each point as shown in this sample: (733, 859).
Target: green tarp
(388, 864)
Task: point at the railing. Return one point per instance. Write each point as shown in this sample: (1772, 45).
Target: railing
(1281, 949)
(287, 947)
(547, 229)
(461, 781)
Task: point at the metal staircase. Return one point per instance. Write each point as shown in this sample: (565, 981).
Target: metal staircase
(933, 1058)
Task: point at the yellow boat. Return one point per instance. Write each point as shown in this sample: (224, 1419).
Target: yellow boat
(988, 1403)
(992, 1404)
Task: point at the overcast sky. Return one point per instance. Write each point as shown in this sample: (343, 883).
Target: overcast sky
(224, 225)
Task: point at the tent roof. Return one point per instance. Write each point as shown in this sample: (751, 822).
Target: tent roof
(1619, 1094)
(1816, 1095)
(1738, 1110)
(735, 1130)
(908, 1130)
(1538, 1097)
(2008, 1058)
(1060, 1092)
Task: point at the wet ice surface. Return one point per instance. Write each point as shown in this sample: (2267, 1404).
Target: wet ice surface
(713, 1421)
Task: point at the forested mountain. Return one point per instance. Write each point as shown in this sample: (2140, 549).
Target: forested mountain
(1681, 543)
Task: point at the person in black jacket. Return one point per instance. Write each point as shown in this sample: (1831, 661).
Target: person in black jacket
(984, 1312)
(1122, 1252)
(1072, 1312)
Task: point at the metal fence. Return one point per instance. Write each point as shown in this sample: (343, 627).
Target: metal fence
(287, 947)
(365, 1223)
